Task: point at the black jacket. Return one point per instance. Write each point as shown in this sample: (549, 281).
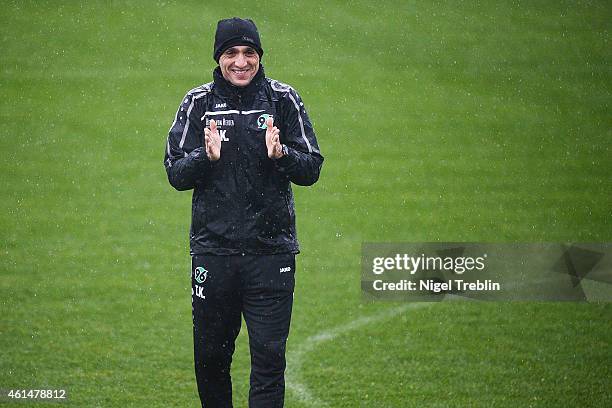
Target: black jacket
(243, 202)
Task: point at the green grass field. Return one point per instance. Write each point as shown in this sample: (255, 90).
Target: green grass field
(439, 121)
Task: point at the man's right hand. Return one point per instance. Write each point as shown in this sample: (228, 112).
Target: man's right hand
(212, 142)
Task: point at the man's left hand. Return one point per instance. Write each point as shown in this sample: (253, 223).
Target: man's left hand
(275, 148)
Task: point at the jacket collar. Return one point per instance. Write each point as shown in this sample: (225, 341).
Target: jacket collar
(226, 88)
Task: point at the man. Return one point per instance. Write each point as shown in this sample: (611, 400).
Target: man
(239, 142)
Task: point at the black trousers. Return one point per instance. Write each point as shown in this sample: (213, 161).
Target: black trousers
(260, 288)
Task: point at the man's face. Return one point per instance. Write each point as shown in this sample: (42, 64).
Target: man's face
(239, 64)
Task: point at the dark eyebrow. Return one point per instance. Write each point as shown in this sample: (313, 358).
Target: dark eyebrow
(234, 49)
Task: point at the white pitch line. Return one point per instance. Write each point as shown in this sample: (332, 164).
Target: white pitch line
(295, 357)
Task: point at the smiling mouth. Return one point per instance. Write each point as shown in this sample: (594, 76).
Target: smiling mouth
(240, 71)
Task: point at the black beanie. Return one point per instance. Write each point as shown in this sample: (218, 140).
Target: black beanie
(236, 31)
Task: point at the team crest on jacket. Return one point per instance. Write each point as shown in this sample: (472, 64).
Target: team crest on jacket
(261, 120)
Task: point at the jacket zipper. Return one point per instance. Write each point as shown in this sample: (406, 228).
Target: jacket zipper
(240, 164)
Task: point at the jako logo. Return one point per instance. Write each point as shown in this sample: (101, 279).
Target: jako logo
(200, 274)
(261, 121)
(221, 105)
(285, 269)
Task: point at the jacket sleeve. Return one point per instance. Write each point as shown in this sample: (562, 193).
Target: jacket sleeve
(185, 160)
(303, 161)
